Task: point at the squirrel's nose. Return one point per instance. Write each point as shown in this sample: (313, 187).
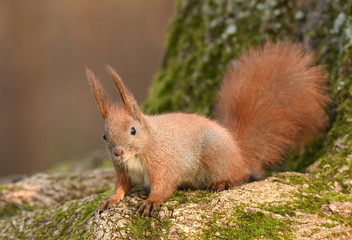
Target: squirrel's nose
(118, 152)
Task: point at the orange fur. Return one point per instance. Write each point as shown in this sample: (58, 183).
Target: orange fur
(272, 101)
(129, 103)
(103, 103)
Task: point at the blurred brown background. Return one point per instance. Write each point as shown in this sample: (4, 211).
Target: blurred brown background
(47, 111)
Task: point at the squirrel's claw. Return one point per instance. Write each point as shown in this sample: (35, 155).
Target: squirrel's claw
(146, 207)
(104, 205)
(221, 186)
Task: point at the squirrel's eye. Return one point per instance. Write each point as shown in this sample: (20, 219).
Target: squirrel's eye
(104, 136)
(133, 131)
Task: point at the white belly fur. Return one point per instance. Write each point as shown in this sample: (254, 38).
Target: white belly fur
(136, 172)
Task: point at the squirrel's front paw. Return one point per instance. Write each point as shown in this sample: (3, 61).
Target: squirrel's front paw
(146, 207)
(106, 204)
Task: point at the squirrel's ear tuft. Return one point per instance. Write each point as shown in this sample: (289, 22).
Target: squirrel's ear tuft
(129, 103)
(104, 104)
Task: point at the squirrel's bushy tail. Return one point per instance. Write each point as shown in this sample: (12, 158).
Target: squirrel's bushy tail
(271, 100)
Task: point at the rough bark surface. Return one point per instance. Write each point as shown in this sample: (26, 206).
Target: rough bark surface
(204, 36)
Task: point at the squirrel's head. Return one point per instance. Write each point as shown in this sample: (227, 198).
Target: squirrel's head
(126, 132)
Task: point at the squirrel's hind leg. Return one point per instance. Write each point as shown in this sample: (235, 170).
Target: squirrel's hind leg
(225, 185)
(218, 187)
(224, 165)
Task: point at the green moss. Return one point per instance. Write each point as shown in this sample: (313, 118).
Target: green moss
(190, 196)
(10, 210)
(336, 217)
(309, 202)
(154, 227)
(349, 220)
(295, 179)
(335, 168)
(87, 211)
(248, 225)
(148, 227)
(311, 195)
(299, 159)
(328, 225)
(284, 209)
(3, 187)
(315, 231)
(99, 191)
(204, 36)
(62, 222)
(337, 197)
(340, 235)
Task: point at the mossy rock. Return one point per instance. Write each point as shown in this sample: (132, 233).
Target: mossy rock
(276, 209)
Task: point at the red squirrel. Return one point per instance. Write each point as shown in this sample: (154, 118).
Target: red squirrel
(272, 100)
